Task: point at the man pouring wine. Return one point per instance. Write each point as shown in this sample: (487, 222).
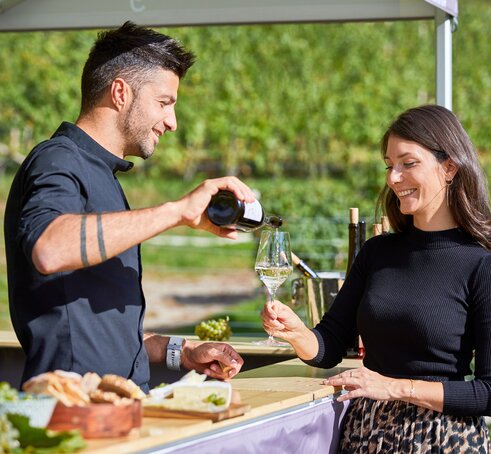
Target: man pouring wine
(72, 241)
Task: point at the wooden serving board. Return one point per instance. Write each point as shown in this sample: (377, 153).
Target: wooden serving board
(231, 412)
(300, 385)
(98, 420)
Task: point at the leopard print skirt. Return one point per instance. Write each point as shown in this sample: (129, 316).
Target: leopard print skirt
(372, 426)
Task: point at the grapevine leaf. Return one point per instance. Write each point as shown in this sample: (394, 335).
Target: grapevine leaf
(43, 441)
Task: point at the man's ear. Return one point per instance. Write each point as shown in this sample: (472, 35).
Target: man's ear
(120, 93)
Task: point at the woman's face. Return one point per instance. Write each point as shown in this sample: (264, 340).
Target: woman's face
(417, 179)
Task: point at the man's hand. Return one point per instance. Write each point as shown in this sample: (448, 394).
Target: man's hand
(215, 359)
(192, 207)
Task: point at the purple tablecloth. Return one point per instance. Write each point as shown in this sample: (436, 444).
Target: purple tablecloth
(311, 428)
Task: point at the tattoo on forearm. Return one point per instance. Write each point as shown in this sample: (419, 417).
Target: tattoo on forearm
(83, 241)
(100, 238)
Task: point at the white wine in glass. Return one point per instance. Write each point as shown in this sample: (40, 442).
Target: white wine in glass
(273, 265)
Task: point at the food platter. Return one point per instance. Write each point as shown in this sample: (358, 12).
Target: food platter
(193, 397)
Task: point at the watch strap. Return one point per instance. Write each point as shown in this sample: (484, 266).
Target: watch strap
(174, 351)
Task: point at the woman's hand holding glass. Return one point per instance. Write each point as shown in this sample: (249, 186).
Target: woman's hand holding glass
(281, 321)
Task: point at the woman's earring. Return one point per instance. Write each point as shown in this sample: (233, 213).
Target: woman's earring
(448, 183)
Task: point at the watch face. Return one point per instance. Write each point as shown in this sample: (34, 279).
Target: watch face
(175, 342)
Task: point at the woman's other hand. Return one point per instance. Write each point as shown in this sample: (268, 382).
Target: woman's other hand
(364, 382)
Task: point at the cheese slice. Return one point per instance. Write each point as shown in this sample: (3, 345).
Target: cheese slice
(193, 397)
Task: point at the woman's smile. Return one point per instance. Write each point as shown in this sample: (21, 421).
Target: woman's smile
(405, 193)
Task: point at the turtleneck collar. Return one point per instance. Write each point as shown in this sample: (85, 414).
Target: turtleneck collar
(438, 239)
(83, 140)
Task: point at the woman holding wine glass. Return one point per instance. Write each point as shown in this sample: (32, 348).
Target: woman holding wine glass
(420, 298)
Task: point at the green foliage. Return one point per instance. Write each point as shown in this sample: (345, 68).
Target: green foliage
(314, 211)
(9, 442)
(40, 82)
(42, 441)
(269, 100)
(296, 110)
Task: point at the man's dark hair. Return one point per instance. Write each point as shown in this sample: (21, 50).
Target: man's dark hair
(132, 53)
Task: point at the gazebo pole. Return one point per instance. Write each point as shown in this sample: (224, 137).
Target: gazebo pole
(443, 24)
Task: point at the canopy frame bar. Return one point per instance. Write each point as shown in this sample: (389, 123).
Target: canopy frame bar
(27, 15)
(443, 72)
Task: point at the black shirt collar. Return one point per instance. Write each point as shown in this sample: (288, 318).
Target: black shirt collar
(83, 140)
(438, 239)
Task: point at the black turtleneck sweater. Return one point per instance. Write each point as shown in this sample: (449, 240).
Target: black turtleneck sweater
(421, 302)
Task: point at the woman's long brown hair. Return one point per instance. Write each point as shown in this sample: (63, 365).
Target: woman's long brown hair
(438, 129)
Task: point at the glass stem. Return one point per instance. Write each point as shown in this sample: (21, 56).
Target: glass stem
(271, 299)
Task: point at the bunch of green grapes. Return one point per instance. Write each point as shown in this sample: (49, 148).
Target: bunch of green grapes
(7, 393)
(8, 436)
(213, 330)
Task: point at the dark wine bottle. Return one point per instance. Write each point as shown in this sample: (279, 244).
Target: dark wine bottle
(353, 238)
(385, 225)
(353, 350)
(225, 210)
(303, 267)
(362, 233)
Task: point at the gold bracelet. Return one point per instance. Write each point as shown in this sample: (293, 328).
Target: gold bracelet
(411, 391)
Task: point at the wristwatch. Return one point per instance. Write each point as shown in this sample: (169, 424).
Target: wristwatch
(174, 351)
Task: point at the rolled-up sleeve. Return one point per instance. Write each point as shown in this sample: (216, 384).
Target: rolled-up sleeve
(51, 188)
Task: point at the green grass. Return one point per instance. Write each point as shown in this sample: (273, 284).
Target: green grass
(164, 259)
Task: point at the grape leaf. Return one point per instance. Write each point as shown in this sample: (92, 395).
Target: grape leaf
(42, 441)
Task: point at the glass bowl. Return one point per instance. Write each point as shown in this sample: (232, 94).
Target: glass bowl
(38, 408)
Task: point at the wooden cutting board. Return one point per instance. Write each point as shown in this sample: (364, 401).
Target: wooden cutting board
(98, 420)
(231, 412)
(300, 385)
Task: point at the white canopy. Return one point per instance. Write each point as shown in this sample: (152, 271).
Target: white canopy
(23, 15)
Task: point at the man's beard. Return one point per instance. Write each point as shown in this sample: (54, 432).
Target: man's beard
(136, 136)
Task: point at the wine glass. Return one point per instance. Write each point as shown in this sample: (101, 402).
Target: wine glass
(273, 265)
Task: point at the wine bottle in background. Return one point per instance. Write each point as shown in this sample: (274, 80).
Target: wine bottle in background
(303, 267)
(385, 225)
(376, 229)
(353, 238)
(225, 210)
(362, 233)
(353, 349)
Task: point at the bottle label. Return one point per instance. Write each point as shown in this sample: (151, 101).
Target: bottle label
(253, 211)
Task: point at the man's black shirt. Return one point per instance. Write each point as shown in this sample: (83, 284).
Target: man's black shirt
(84, 320)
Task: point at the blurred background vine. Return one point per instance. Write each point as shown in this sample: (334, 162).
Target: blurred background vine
(296, 111)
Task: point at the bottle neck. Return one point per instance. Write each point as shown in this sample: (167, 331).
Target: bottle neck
(306, 270)
(273, 221)
(353, 245)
